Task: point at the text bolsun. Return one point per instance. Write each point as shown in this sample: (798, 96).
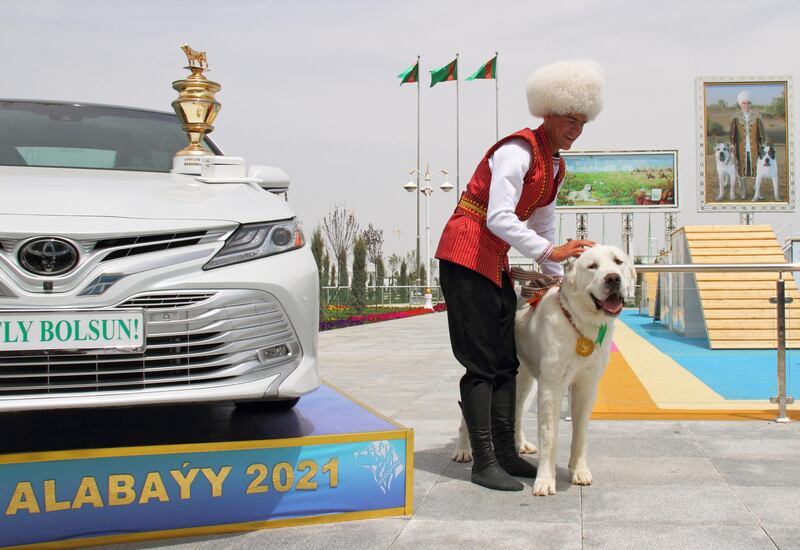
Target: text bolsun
(68, 330)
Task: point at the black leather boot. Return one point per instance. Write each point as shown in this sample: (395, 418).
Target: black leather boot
(504, 399)
(476, 407)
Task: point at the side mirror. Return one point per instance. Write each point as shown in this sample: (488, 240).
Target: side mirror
(270, 178)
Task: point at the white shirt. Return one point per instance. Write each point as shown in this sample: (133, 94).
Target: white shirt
(747, 131)
(534, 238)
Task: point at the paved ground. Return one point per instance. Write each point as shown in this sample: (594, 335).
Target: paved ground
(658, 484)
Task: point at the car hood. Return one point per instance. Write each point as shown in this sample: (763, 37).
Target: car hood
(110, 193)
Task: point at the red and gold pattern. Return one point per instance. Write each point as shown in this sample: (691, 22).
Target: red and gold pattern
(466, 240)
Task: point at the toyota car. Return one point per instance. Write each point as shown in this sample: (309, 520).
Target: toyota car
(123, 282)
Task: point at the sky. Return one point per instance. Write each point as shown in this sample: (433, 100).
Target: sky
(760, 94)
(311, 86)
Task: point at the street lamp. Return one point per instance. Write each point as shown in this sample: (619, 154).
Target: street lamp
(427, 190)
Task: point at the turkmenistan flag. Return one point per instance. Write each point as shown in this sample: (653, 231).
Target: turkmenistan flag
(446, 73)
(488, 70)
(410, 75)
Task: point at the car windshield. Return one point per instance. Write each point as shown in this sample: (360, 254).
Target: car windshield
(89, 136)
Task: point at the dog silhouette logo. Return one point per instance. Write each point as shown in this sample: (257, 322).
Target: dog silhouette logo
(380, 458)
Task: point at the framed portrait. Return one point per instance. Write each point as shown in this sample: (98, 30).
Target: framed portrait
(619, 181)
(745, 137)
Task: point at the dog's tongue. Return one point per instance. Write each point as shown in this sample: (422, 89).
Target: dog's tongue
(612, 304)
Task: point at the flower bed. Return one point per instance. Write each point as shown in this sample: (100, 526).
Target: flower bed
(355, 320)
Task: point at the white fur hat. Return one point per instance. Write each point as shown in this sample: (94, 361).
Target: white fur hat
(743, 96)
(564, 87)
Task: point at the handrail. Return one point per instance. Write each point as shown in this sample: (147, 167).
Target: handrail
(779, 300)
(716, 268)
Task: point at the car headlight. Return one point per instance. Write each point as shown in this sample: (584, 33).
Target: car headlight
(258, 240)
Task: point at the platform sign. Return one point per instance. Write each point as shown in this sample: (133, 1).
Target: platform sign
(102, 496)
(109, 495)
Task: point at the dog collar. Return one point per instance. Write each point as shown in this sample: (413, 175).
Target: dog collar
(584, 346)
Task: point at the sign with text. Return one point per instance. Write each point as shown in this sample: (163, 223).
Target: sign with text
(69, 330)
(102, 496)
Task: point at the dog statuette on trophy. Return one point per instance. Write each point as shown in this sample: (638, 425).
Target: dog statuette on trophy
(196, 59)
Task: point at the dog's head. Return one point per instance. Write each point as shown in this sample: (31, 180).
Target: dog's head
(600, 280)
(722, 151)
(587, 187)
(766, 154)
(376, 453)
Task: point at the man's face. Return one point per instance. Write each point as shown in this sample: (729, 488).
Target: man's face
(565, 129)
(745, 105)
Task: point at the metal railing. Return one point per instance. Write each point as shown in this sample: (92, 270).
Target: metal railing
(780, 300)
(388, 295)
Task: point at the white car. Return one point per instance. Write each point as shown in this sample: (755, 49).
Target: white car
(125, 283)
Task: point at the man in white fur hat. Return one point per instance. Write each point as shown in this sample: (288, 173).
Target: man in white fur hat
(747, 136)
(510, 201)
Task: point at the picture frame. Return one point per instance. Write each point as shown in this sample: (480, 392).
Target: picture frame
(619, 181)
(743, 148)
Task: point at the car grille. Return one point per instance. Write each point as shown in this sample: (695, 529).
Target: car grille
(192, 338)
(142, 244)
(166, 301)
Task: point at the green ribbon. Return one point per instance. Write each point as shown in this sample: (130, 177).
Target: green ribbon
(601, 334)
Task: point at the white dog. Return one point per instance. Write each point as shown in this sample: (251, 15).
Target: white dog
(726, 171)
(584, 194)
(552, 348)
(766, 167)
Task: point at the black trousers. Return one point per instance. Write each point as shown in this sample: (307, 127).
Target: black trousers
(481, 320)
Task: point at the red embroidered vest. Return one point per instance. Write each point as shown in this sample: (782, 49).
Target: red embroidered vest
(466, 240)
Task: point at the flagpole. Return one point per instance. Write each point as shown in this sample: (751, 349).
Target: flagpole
(417, 166)
(458, 171)
(496, 101)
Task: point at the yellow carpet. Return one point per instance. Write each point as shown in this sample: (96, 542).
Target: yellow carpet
(621, 396)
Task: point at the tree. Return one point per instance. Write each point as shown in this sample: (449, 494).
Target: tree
(326, 269)
(778, 107)
(373, 239)
(359, 285)
(423, 275)
(403, 281)
(318, 249)
(714, 128)
(394, 265)
(411, 260)
(341, 229)
(380, 272)
(333, 273)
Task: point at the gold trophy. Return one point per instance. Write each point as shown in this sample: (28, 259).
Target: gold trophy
(196, 106)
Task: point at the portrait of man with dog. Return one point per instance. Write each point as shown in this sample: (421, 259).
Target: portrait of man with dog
(746, 144)
(510, 201)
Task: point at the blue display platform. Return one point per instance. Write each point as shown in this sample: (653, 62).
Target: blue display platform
(84, 477)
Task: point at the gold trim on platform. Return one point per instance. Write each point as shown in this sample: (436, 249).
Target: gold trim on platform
(210, 530)
(143, 450)
(409, 472)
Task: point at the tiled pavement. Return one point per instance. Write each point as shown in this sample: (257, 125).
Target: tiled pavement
(658, 484)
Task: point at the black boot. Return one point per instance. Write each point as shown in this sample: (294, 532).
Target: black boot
(504, 399)
(476, 406)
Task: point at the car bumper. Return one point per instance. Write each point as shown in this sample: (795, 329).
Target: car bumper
(213, 349)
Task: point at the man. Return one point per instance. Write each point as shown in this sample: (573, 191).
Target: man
(510, 201)
(747, 135)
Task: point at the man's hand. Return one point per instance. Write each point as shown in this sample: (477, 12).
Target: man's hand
(570, 249)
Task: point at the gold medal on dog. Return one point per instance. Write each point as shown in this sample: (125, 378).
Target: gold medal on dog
(584, 347)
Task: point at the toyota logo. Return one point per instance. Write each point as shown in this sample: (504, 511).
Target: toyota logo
(48, 256)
